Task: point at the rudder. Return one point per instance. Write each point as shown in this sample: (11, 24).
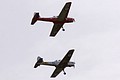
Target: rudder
(35, 18)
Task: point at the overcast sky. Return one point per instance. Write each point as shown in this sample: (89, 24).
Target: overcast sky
(95, 36)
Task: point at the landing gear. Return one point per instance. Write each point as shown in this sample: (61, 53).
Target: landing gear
(64, 72)
(63, 29)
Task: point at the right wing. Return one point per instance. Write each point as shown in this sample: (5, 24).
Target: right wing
(64, 13)
(66, 59)
(55, 29)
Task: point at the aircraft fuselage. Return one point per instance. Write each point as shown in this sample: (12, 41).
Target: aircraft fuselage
(55, 20)
(55, 63)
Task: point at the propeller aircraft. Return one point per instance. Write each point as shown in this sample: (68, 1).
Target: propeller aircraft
(59, 64)
(57, 20)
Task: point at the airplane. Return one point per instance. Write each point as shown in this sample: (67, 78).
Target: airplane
(57, 20)
(59, 64)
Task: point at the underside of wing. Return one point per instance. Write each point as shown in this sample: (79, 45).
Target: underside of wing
(55, 29)
(63, 63)
(56, 72)
(64, 13)
(66, 59)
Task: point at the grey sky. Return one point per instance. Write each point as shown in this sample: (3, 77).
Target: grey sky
(95, 36)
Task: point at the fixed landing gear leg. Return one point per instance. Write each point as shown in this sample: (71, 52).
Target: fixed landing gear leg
(64, 72)
(63, 29)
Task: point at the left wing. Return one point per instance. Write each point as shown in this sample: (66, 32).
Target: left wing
(63, 63)
(55, 29)
(56, 72)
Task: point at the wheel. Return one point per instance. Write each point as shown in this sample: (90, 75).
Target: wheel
(64, 73)
(63, 29)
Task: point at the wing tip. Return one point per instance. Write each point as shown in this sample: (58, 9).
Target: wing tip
(69, 2)
(52, 77)
(52, 35)
(72, 50)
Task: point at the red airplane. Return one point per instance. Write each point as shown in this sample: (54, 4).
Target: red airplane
(58, 21)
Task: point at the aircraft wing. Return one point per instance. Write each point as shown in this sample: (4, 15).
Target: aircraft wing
(63, 63)
(64, 13)
(56, 72)
(55, 29)
(62, 16)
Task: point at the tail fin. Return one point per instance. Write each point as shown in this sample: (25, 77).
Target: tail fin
(35, 18)
(39, 61)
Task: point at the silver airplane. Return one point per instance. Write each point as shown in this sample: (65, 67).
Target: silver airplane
(59, 64)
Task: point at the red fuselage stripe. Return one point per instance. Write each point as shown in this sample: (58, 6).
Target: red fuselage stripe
(54, 20)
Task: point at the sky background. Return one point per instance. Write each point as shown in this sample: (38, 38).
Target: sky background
(95, 36)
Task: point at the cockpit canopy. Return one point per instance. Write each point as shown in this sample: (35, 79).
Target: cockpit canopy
(55, 16)
(57, 60)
